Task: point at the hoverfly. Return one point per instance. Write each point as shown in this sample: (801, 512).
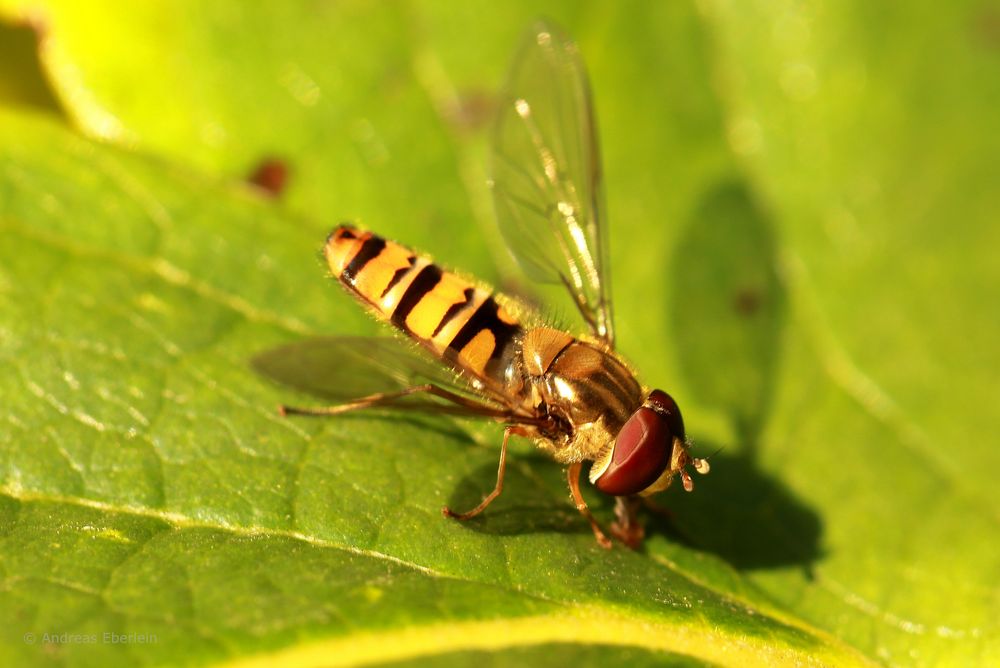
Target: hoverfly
(573, 395)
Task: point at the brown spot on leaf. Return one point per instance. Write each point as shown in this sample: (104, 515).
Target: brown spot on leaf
(271, 176)
(747, 301)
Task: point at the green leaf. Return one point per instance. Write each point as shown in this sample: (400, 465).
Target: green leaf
(150, 488)
(802, 219)
(333, 93)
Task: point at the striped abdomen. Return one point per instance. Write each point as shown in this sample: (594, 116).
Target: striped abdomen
(456, 320)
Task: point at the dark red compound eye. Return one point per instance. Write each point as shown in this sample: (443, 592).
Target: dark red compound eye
(664, 404)
(643, 447)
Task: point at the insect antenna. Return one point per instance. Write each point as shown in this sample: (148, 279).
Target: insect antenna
(700, 465)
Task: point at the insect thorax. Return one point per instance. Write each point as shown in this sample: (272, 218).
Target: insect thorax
(587, 389)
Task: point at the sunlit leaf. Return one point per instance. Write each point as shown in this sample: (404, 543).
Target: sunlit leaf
(801, 210)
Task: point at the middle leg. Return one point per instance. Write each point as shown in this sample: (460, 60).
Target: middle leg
(448, 512)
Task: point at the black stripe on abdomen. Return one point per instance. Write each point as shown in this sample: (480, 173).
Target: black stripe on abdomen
(454, 310)
(370, 249)
(423, 283)
(399, 274)
(486, 317)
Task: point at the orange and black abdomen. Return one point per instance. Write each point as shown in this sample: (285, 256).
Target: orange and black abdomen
(455, 319)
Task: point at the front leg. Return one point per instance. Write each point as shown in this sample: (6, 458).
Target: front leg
(573, 475)
(627, 527)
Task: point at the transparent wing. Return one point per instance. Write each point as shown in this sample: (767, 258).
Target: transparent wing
(546, 174)
(342, 369)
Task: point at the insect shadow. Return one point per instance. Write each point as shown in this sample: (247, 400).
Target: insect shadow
(535, 498)
(334, 370)
(743, 515)
(727, 311)
(738, 513)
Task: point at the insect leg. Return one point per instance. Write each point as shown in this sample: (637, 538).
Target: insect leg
(448, 512)
(468, 406)
(626, 527)
(573, 475)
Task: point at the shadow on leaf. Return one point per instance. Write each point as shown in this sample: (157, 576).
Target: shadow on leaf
(744, 516)
(728, 310)
(528, 503)
(728, 307)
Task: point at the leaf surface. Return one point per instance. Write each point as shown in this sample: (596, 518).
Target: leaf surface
(801, 244)
(150, 486)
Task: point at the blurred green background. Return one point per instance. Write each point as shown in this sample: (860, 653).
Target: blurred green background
(802, 204)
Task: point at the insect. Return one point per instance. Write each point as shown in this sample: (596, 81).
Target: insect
(573, 395)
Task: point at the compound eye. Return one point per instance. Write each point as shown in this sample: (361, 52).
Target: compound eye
(641, 453)
(664, 404)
